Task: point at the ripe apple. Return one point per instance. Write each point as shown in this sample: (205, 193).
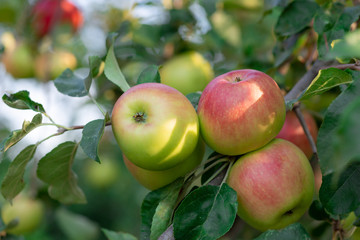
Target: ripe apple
(102, 175)
(188, 72)
(50, 65)
(240, 111)
(156, 179)
(294, 132)
(274, 185)
(155, 126)
(27, 211)
(47, 15)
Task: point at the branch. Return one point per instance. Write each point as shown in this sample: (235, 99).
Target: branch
(62, 130)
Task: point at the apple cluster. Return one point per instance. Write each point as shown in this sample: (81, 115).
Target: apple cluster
(239, 115)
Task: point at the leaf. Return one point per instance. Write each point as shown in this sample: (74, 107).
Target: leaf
(295, 17)
(194, 99)
(294, 232)
(341, 195)
(16, 135)
(111, 235)
(317, 211)
(206, 213)
(91, 136)
(347, 48)
(55, 169)
(94, 69)
(325, 80)
(69, 84)
(13, 182)
(149, 74)
(112, 71)
(157, 208)
(21, 100)
(330, 153)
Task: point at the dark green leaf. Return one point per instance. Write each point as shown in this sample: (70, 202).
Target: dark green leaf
(16, 135)
(147, 35)
(294, 232)
(194, 99)
(325, 80)
(69, 84)
(341, 195)
(209, 6)
(157, 204)
(4, 165)
(21, 100)
(91, 136)
(206, 213)
(112, 71)
(317, 211)
(111, 235)
(13, 182)
(150, 74)
(55, 169)
(94, 70)
(270, 4)
(295, 17)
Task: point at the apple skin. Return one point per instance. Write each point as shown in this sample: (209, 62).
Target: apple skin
(155, 126)
(50, 65)
(103, 175)
(274, 185)
(156, 179)
(188, 72)
(240, 111)
(294, 132)
(28, 211)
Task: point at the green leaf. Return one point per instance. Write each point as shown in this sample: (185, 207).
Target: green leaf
(91, 136)
(341, 195)
(69, 84)
(347, 48)
(16, 135)
(75, 226)
(157, 208)
(150, 74)
(94, 70)
(206, 213)
(333, 131)
(325, 80)
(21, 100)
(112, 71)
(111, 235)
(55, 169)
(294, 232)
(194, 99)
(13, 181)
(317, 211)
(295, 17)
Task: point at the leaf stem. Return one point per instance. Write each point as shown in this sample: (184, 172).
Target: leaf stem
(97, 104)
(215, 174)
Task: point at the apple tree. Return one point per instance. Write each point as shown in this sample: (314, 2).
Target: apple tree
(218, 119)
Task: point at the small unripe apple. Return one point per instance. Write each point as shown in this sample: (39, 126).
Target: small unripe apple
(274, 185)
(188, 72)
(102, 175)
(155, 126)
(28, 212)
(294, 132)
(156, 179)
(240, 111)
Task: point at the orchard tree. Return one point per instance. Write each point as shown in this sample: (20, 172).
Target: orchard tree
(241, 118)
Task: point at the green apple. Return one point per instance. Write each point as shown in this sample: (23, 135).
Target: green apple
(28, 212)
(155, 126)
(240, 111)
(102, 175)
(188, 72)
(274, 185)
(156, 179)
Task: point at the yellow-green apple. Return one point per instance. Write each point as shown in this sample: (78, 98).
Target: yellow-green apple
(188, 72)
(156, 179)
(28, 212)
(294, 132)
(102, 175)
(155, 126)
(274, 185)
(240, 111)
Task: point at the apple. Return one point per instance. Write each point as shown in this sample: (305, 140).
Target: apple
(155, 126)
(188, 72)
(294, 132)
(47, 15)
(50, 65)
(274, 185)
(240, 111)
(29, 213)
(156, 179)
(102, 175)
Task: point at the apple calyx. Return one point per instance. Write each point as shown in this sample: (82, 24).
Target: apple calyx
(140, 117)
(237, 79)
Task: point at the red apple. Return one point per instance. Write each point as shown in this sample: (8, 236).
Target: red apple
(294, 132)
(240, 111)
(274, 185)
